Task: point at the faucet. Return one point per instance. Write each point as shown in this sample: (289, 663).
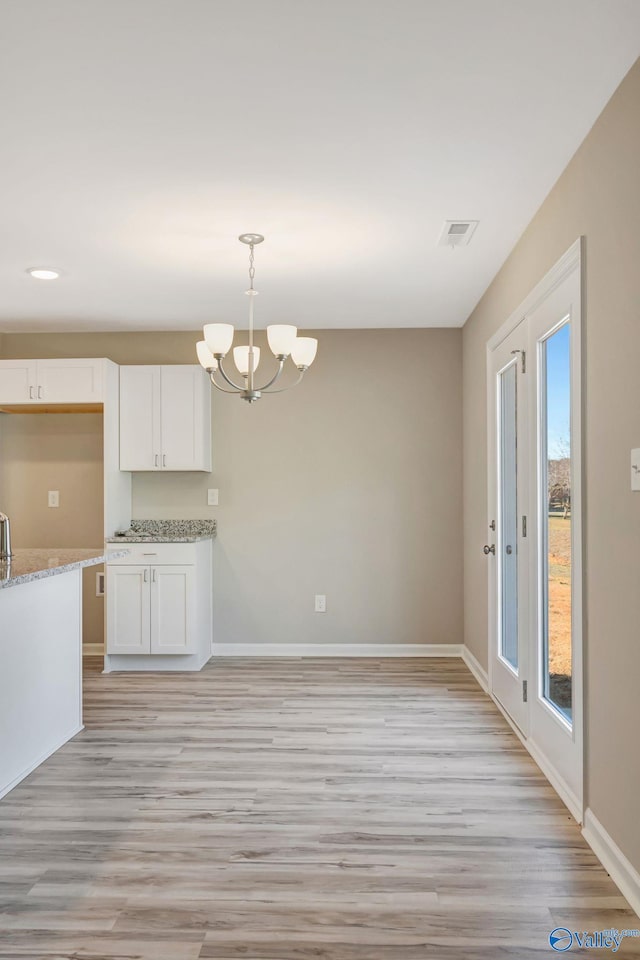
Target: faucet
(5, 537)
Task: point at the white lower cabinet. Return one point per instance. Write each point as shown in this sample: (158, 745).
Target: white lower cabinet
(172, 609)
(129, 609)
(159, 602)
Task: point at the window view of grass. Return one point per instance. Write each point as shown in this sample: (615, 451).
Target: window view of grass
(558, 678)
(559, 612)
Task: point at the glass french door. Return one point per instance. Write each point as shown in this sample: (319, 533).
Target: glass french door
(507, 546)
(555, 721)
(534, 537)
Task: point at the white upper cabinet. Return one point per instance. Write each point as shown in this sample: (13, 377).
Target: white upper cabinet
(70, 381)
(52, 381)
(140, 437)
(18, 381)
(165, 418)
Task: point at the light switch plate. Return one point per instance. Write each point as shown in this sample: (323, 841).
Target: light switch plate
(212, 498)
(635, 469)
(321, 603)
(54, 498)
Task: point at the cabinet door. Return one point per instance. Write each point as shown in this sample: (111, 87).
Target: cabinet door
(17, 381)
(186, 418)
(173, 624)
(128, 609)
(70, 381)
(140, 446)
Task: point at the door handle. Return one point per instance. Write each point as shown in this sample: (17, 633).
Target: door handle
(489, 549)
(157, 460)
(39, 393)
(145, 575)
(31, 396)
(164, 459)
(153, 574)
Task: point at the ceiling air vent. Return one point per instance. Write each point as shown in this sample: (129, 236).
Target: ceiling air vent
(457, 233)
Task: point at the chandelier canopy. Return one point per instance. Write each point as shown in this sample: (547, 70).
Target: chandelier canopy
(283, 341)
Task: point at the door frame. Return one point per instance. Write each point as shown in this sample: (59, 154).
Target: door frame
(571, 260)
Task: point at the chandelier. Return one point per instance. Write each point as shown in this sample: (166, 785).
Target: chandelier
(283, 341)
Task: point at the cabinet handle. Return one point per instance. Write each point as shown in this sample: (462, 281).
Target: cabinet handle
(39, 393)
(157, 459)
(164, 459)
(31, 396)
(153, 574)
(145, 575)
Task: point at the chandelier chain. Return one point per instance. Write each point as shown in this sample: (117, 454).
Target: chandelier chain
(252, 269)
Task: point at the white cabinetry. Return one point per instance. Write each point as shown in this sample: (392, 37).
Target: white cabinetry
(129, 609)
(165, 418)
(172, 610)
(159, 604)
(51, 381)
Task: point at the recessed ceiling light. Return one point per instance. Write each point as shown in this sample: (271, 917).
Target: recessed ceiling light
(43, 273)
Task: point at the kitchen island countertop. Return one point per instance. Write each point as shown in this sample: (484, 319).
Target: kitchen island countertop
(35, 563)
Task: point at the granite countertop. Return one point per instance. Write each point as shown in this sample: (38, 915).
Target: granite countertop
(35, 563)
(166, 531)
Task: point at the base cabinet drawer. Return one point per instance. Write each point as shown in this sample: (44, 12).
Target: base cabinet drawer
(150, 553)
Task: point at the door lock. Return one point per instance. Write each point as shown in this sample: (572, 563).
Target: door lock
(489, 549)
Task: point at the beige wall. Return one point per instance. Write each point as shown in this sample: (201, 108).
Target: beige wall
(42, 452)
(598, 196)
(350, 485)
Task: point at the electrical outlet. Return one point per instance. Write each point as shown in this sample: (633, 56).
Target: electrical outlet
(212, 498)
(54, 498)
(635, 469)
(321, 603)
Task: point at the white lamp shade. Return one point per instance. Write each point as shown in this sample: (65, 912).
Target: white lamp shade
(241, 359)
(205, 357)
(304, 351)
(219, 337)
(281, 337)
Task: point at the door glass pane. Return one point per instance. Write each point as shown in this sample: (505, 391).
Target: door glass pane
(556, 578)
(508, 527)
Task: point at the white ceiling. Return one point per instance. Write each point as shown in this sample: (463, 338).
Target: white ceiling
(140, 137)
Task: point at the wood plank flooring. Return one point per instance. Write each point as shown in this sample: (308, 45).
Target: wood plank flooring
(290, 810)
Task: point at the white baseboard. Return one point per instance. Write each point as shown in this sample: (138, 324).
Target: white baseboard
(93, 650)
(568, 797)
(622, 872)
(5, 788)
(476, 669)
(337, 650)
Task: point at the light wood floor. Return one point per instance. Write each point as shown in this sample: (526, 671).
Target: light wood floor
(294, 810)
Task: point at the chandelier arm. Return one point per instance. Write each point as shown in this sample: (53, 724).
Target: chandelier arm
(275, 377)
(289, 385)
(221, 389)
(229, 381)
